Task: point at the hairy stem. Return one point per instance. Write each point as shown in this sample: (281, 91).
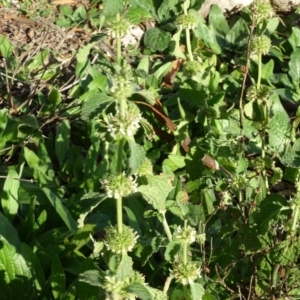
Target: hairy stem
(166, 227)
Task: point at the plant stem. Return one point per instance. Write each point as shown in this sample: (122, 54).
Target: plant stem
(119, 214)
(185, 246)
(166, 227)
(118, 38)
(263, 133)
(122, 142)
(259, 72)
(188, 44)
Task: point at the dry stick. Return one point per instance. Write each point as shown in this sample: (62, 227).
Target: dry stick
(222, 280)
(20, 179)
(250, 287)
(245, 76)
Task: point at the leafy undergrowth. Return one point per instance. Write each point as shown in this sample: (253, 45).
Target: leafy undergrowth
(165, 167)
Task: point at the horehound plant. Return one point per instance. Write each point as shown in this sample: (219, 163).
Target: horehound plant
(258, 95)
(129, 175)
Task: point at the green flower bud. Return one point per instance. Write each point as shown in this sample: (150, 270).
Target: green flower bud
(191, 68)
(185, 274)
(186, 22)
(261, 10)
(113, 285)
(118, 28)
(239, 182)
(253, 94)
(120, 243)
(124, 127)
(121, 87)
(119, 186)
(260, 45)
(118, 288)
(186, 236)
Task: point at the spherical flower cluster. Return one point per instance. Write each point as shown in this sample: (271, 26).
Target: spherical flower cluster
(118, 287)
(185, 273)
(261, 94)
(191, 68)
(260, 45)
(119, 186)
(187, 235)
(239, 182)
(124, 127)
(186, 22)
(122, 88)
(120, 243)
(118, 28)
(261, 10)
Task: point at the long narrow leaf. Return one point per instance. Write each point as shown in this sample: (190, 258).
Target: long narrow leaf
(61, 209)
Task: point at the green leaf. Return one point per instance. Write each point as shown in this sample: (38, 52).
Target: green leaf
(16, 279)
(148, 95)
(173, 248)
(8, 231)
(140, 290)
(5, 47)
(237, 36)
(89, 202)
(294, 38)
(79, 14)
(157, 39)
(82, 236)
(294, 65)
(83, 53)
(40, 169)
(54, 97)
(166, 7)
(267, 70)
(35, 266)
(124, 269)
(279, 125)
(94, 105)
(112, 7)
(92, 277)
(208, 296)
(61, 209)
(217, 20)
(66, 10)
(163, 70)
(137, 155)
(272, 25)
(270, 209)
(10, 194)
(57, 279)
(175, 45)
(208, 37)
(62, 140)
(197, 291)
(145, 4)
(137, 15)
(177, 160)
(39, 60)
(157, 190)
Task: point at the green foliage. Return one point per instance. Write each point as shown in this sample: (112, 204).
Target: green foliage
(168, 169)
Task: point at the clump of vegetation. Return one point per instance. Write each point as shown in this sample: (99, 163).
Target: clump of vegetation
(166, 168)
